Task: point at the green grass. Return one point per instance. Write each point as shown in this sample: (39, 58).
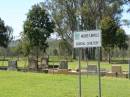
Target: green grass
(18, 84)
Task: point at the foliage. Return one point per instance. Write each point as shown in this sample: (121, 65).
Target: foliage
(65, 48)
(37, 29)
(55, 52)
(69, 15)
(112, 35)
(5, 34)
(17, 49)
(24, 45)
(122, 39)
(38, 26)
(109, 28)
(64, 14)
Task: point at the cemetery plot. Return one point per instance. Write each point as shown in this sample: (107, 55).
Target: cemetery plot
(12, 65)
(116, 71)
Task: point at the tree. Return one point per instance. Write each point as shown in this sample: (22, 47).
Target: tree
(64, 14)
(55, 52)
(65, 48)
(93, 11)
(112, 35)
(5, 34)
(24, 45)
(122, 40)
(86, 13)
(38, 27)
(26, 48)
(109, 28)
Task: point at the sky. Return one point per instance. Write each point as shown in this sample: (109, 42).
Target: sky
(13, 12)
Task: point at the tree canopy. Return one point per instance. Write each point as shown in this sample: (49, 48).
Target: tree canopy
(122, 40)
(38, 26)
(109, 28)
(5, 34)
(69, 15)
(37, 29)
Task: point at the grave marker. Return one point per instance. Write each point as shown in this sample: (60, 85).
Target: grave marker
(12, 65)
(63, 65)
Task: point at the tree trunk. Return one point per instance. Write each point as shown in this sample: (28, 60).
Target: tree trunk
(37, 58)
(109, 56)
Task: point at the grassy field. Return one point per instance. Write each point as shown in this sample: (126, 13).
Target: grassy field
(19, 84)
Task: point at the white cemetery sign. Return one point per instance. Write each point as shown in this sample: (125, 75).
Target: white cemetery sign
(86, 39)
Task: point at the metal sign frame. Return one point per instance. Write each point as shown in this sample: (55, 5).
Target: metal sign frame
(94, 38)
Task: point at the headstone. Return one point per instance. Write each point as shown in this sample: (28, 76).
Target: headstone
(12, 65)
(92, 68)
(116, 69)
(44, 63)
(63, 65)
(32, 63)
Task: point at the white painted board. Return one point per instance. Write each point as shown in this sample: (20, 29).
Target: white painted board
(87, 39)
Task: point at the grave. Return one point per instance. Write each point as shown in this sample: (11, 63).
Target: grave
(92, 69)
(63, 64)
(12, 65)
(63, 68)
(116, 71)
(32, 63)
(44, 63)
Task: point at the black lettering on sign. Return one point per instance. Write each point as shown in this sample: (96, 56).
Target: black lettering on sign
(84, 35)
(80, 43)
(90, 35)
(95, 42)
(89, 43)
(92, 43)
(94, 35)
